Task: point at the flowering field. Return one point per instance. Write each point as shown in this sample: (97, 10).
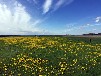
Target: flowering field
(49, 56)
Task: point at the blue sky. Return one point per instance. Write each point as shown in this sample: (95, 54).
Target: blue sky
(35, 17)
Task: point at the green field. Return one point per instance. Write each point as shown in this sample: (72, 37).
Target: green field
(50, 56)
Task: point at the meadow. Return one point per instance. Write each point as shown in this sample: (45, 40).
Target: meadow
(50, 56)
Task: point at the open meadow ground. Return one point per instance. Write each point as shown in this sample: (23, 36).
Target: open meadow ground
(50, 56)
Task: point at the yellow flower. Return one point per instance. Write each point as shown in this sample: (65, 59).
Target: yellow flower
(5, 69)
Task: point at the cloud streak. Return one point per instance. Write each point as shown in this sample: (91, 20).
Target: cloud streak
(62, 3)
(59, 4)
(47, 6)
(33, 1)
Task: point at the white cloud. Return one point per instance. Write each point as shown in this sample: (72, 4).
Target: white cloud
(16, 20)
(60, 3)
(47, 6)
(98, 19)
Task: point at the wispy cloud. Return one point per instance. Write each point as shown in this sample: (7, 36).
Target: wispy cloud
(33, 1)
(80, 29)
(69, 2)
(98, 19)
(47, 6)
(61, 3)
(90, 25)
(17, 20)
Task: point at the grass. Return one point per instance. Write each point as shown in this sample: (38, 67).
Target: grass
(50, 56)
